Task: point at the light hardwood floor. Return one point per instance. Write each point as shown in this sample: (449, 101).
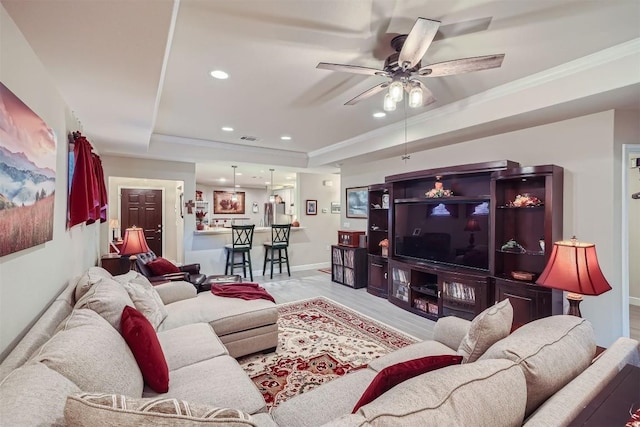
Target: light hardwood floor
(312, 283)
(634, 322)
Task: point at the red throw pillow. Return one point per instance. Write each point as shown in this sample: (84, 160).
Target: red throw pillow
(393, 375)
(160, 266)
(143, 342)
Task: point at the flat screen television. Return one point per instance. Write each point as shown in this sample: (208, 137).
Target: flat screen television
(444, 231)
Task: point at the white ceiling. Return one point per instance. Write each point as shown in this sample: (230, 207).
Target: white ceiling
(136, 72)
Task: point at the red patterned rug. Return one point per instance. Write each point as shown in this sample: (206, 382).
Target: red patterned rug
(319, 340)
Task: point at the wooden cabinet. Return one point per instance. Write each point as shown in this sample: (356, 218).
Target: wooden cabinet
(349, 266)
(527, 207)
(415, 289)
(115, 264)
(378, 283)
(378, 231)
(463, 295)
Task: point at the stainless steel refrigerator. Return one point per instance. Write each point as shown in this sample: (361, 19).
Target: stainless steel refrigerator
(274, 214)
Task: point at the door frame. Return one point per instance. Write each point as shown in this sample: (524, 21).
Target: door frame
(627, 151)
(144, 187)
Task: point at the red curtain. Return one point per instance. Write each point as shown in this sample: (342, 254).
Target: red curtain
(88, 196)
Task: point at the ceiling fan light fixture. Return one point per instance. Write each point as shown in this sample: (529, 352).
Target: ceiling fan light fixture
(415, 97)
(389, 103)
(395, 91)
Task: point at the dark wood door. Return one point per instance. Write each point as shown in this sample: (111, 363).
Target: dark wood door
(142, 207)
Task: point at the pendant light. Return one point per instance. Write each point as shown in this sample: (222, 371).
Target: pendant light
(234, 195)
(272, 198)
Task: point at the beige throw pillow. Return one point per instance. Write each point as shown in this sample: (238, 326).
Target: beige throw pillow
(89, 278)
(488, 327)
(108, 298)
(145, 298)
(96, 410)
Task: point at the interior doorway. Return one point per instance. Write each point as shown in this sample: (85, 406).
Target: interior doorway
(143, 207)
(631, 239)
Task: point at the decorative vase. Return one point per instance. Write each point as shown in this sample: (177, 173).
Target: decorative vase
(385, 252)
(199, 225)
(541, 245)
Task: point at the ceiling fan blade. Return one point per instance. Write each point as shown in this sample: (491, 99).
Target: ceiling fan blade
(427, 95)
(459, 66)
(366, 94)
(352, 69)
(418, 41)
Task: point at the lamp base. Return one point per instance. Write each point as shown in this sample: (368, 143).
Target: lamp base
(574, 304)
(132, 263)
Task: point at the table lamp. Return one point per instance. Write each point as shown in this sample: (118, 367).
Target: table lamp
(472, 225)
(573, 267)
(113, 225)
(134, 243)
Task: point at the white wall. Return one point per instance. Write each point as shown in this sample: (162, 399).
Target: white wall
(633, 218)
(321, 230)
(585, 147)
(30, 279)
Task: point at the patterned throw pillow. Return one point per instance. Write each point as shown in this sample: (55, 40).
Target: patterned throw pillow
(143, 342)
(160, 266)
(144, 296)
(90, 410)
(393, 375)
(487, 328)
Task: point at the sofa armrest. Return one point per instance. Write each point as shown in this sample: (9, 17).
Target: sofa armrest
(450, 331)
(175, 291)
(190, 268)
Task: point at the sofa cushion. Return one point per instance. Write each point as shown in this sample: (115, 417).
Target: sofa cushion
(226, 315)
(410, 352)
(95, 410)
(551, 352)
(107, 297)
(34, 395)
(90, 278)
(190, 344)
(325, 403)
(93, 355)
(160, 266)
(143, 342)
(219, 382)
(486, 393)
(487, 328)
(393, 375)
(144, 297)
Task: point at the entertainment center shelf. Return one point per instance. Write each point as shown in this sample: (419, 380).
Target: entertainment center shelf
(460, 239)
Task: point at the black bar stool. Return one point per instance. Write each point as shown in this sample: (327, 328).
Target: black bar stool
(279, 242)
(241, 242)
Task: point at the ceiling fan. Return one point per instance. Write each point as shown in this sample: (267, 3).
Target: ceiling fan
(403, 68)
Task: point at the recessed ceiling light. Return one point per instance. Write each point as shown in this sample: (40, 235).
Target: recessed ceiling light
(238, 173)
(219, 74)
(379, 115)
(289, 177)
(267, 182)
(227, 129)
(222, 179)
(285, 138)
(237, 185)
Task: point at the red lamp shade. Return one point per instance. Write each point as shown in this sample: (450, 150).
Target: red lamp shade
(573, 267)
(472, 225)
(134, 242)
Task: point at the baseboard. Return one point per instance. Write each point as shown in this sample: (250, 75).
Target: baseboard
(634, 301)
(316, 266)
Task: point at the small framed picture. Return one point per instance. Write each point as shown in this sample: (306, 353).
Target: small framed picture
(417, 231)
(312, 207)
(357, 202)
(385, 201)
(335, 207)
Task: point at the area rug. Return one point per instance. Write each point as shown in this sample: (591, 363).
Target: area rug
(318, 340)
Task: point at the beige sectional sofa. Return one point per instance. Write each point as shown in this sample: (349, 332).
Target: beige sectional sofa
(69, 367)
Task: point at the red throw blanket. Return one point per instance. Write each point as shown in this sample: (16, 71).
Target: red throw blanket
(246, 291)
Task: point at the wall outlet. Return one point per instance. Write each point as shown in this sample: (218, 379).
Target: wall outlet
(346, 224)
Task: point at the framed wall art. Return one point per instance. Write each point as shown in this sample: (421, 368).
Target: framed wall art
(335, 207)
(222, 203)
(357, 202)
(312, 207)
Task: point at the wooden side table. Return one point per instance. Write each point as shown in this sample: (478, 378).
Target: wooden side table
(115, 264)
(612, 406)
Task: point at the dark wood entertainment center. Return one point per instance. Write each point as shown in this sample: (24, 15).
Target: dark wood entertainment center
(519, 240)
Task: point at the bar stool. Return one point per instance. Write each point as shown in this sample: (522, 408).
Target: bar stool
(279, 242)
(241, 243)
